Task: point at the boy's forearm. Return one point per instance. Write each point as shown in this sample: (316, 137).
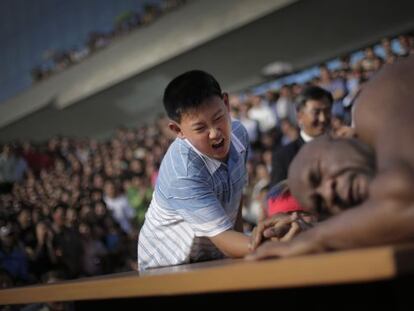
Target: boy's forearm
(232, 243)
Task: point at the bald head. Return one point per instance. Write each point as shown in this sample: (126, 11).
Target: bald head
(328, 175)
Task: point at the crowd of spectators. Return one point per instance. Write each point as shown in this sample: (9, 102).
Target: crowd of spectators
(76, 205)
(57, 61)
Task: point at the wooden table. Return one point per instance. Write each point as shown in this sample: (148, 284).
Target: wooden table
(235, 278)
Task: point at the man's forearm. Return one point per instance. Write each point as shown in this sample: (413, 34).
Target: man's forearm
(386, 217)
(373, 223)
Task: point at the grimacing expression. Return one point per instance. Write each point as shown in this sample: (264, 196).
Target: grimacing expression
(315, 117)
(329, 175)
(207, 127)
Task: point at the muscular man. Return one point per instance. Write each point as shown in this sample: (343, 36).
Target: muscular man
(384, 211)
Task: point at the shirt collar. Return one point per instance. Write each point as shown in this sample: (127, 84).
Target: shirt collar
(305, 136)
(213, 164)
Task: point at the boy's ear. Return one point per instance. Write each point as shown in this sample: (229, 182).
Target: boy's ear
(175, 127)
(226, 100)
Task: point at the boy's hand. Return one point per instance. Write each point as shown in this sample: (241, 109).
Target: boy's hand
(280, 227)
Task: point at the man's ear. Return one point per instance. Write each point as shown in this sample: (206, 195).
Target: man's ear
(226, 100)
(175, 127)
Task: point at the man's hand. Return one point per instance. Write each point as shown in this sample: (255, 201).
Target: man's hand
(303, 244)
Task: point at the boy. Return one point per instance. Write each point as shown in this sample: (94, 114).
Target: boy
(196, 202)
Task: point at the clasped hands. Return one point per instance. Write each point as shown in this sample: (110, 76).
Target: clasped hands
(281, 227)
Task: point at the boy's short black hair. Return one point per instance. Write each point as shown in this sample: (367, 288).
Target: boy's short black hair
(188, 91)
(312, 93)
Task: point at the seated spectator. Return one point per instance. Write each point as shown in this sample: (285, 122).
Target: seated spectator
(139, 196)
(252, 126)
(13, 258)
(8, 167)
(253, 211)
(285, 105)
(25, 229)
(67, 244)
(385, 50)
(117, 203)
(94, 251)
(367, 63)
(44, 257)
(261, 113)
(289, 132)
(334, 85)
(404, 45)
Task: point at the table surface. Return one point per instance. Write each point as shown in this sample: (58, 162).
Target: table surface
(341, 267)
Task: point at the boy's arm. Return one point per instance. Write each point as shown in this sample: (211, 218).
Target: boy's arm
(232, 243)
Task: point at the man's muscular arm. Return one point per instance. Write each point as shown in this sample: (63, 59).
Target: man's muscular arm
(386, 217)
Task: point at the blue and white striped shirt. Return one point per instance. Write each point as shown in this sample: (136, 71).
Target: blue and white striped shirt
(195, 197)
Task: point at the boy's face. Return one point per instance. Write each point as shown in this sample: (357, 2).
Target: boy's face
(208, 127)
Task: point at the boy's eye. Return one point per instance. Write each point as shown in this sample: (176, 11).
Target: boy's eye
(218, 118)
(199, 129)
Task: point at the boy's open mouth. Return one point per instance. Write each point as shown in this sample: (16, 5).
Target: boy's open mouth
(218, 144)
